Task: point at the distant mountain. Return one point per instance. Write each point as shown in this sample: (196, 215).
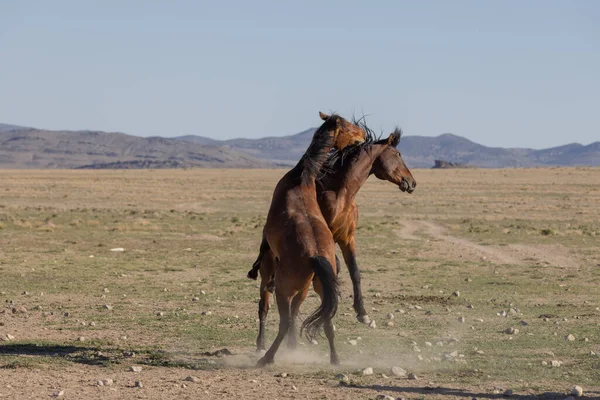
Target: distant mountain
(423, 151)
(281, 149)
(34, 148)
(22, 147)
(8, 127)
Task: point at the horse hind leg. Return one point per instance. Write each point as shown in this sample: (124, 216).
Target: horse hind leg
(330, 333)
(296, 302)
(285, 315)
(263, 311)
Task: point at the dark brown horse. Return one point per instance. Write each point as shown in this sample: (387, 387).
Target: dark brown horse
(300, 240)
(336, 197)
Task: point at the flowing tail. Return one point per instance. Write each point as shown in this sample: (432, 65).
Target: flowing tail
(264, 247)
(329, 302)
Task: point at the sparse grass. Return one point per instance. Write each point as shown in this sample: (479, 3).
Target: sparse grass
(185, 232)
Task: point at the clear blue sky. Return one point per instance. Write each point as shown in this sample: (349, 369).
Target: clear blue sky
(505, 73)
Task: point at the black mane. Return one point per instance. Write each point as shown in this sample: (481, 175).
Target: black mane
(336, 157)
(313, 159)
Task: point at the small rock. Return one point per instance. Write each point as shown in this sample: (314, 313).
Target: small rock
(283, 375)
(81, 339)
(390, 323)
(512, 331)
(367, 371)
(160, 314)
(514, 311)
(377, 295)
(206, 312)
(107, 307)
(570, 338)
(545, 363)
(373, 325)
(470, 306)
(59, 393)
(502, 313)
(117, 249)
(136, 368)
(468, 280)
(192, 379)
(195, 298)
(456, 294)
(353, 342)
(342, 378)
(105, 290)
(577, 391)
(507, 393)
(428, 344)
(106, 382)
(314, 341)
(461, 319)
(384, 397)
(556, 363)
(439, 343)
(412, 376)
(139, 384)
(586, 339)
(390, 316)
(19, 310)
(524, 323)
(399, 372)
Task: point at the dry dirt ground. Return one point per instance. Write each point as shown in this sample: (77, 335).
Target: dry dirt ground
(520, 246)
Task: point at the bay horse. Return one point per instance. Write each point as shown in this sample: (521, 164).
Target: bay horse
(337, 199)
(300, 240)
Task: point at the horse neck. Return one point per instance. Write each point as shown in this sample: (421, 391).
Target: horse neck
(353, 178)
(313, 159)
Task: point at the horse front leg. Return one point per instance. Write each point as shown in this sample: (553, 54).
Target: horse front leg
(349, 253)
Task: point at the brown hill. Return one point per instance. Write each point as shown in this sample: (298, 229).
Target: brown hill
(34, 148)
(422, 151)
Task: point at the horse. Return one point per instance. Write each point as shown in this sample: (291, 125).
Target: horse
(336, 197)
(300, 240)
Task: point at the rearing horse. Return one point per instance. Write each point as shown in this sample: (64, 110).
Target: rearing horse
(298, 236)
(336, 194)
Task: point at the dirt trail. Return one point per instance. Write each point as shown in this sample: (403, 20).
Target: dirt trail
(512, 254)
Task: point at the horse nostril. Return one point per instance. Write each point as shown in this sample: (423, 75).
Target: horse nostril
(414, 184)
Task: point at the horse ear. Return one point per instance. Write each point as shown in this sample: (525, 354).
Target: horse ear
(394, 138)
(390, 140)
(323, 116)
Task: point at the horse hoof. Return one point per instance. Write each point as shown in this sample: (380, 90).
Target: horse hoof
(264, 362)
(335, 361)
(364, 319)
